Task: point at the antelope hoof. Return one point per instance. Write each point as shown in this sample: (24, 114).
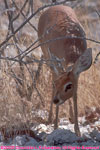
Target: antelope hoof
(77, 131)
(49, 120)
(55, 126)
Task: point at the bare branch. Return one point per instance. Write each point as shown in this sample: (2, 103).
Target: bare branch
(97, 13)
(26, 21)
(27, 51)
(21, 11)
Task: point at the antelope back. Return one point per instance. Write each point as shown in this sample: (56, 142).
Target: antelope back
(56, 23)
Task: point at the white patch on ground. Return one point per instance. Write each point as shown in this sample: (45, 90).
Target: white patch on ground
(64, 136)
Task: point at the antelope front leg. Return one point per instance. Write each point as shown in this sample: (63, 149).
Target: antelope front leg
(71, 115)
(56, 119)
(50, 112)
(76, 127)
(51, 108)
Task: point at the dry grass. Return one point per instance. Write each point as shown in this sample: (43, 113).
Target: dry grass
(17, 109)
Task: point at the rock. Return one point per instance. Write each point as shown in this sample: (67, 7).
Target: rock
(61, 136)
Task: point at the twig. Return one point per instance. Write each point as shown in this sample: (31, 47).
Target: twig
(98, 13)
(34, 84)
(96, 58)
(21, 11)
(26, 21)
(26, 52)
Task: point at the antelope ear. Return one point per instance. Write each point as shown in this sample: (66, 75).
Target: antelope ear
(83, 63)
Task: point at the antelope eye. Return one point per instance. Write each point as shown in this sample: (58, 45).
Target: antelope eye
(68, 86)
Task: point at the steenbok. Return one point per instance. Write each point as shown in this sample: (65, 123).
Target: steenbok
(62, 40)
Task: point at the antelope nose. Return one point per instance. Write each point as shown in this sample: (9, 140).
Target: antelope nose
(56, 100)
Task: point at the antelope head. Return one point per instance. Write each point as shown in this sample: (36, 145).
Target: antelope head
(67, 82)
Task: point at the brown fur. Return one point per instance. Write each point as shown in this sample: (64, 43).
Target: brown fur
(61, 21)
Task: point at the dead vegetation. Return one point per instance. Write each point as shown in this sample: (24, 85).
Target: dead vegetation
(25, 81)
